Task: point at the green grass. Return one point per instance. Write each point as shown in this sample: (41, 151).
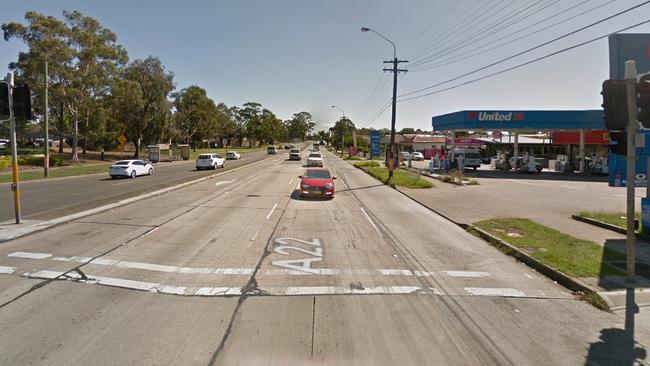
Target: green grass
(66, 171)
(573, 256)
(353, 157)
(400, 178)
(614, 218)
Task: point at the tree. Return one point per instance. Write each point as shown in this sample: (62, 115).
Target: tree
(140, 98)
(196, 114)
(299, 126)
(342, 127)
(406, 131)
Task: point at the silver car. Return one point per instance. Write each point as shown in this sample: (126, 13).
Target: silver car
(210, 161)
(130, 168)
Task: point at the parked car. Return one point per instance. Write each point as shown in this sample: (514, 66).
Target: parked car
(417, 156)
(4, 143)
(271, 150)
(405, 155)
(294, 154)
(233, 155)
(317, 182)
(210, 161)
(315, 159)
(130, 168)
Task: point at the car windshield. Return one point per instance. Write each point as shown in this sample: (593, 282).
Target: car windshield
(312, 155)
(472, 155)
(317, 174)
(230, 153)
(295, 151)
(123, 162)
(205, 156)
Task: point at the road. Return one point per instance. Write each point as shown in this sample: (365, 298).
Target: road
(240, 270)
(46, 199)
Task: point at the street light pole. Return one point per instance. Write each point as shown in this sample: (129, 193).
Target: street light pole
(391, 153)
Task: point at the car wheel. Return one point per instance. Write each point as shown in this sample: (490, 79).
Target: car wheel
(113, 177)
(150, 171)
(214, 166)
(133, 174)
(223, 165)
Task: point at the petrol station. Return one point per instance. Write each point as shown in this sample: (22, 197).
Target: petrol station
(564, 129)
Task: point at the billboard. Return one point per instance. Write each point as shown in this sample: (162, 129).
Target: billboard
(375, 143)
(628, 47)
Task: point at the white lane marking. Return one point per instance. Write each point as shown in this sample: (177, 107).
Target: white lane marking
(150, 231)
(503, 292)
(291, 181)
(370, 221)
(344, 184)
(342, 290)
(529, 276)
(470, 274)
(255, 235)
(43, 274)
(358, 272)
(224, 182)
(7, 270)
(29, 255)
(271, 212)
(218, 291)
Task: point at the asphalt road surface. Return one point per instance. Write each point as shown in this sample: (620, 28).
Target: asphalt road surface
(240, 270)
(47, 199)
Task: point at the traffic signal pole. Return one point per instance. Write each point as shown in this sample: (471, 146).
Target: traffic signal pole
(15, 187)
(630, 80)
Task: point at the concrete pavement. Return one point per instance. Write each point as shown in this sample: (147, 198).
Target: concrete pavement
(239, 270)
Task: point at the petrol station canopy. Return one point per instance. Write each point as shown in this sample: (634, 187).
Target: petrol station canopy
(492, 120)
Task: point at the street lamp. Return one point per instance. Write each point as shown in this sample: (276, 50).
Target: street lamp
(341, 109)
(391, 158)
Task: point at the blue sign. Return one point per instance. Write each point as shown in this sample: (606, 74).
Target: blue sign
(628, 47)
(375, 143)
(520, 119)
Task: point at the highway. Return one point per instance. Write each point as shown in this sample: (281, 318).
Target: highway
(46, 199)
(240, 270)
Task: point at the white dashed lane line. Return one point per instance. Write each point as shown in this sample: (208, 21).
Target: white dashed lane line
(271, 212)
(7, 270)
(29, 255)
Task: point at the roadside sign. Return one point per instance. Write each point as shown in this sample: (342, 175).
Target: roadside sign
(122, 140)
(375, 143)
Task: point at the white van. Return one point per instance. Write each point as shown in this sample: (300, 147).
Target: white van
(471, 157)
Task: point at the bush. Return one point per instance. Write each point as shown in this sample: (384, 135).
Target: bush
(38, 160)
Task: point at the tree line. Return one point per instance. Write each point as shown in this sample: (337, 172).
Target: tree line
(97, 93)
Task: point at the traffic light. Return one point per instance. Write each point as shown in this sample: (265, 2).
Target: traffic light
(615, 105)
(4, 100)
(643, 100)
(22, 99)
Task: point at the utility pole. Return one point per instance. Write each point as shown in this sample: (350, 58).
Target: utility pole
(46, 161)
(632, 126)
(391, 151)
(14, 149)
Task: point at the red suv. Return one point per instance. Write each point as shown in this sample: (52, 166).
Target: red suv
(317, 182)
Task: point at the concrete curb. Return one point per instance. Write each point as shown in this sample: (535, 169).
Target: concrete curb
(608, 226)
(43, 225)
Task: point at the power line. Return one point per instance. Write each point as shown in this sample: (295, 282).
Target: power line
(435, 22)
(528, 50)
(370, 110)
(499, 25)
(526, 63)
(459, 57)
(363, 108)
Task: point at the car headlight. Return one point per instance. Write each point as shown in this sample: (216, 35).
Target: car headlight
(329, 185)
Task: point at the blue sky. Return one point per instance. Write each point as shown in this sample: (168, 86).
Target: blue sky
(307, 55)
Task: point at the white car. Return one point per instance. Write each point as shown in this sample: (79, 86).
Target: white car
(233, 155)
(315, 159)
(210, 161)
(417, 156)
(130, 168)
(4, 143)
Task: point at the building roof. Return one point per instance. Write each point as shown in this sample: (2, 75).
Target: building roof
(409, 139)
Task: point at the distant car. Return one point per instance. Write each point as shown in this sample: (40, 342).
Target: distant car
(317, 182)
(130, 168)
(405, 155)
(271, 150)
(210, 161)
(4, 143)
(294, 154)
(233, 155)
(417, 156)
(287, 147)
(315, 159)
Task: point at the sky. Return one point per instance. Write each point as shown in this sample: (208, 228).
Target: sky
(295, 55)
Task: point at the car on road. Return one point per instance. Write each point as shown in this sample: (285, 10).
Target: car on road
(4, 143)
(210, 161)
(294, 154)
(406, 155)
(317, 182)
(271, 150)
(315, 159)
(130, 168)
(233, 155)
(417, 156)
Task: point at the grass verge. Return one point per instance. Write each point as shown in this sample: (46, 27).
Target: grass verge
(575, 257)
(613, 218)
(400, 177)
(66, 171)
